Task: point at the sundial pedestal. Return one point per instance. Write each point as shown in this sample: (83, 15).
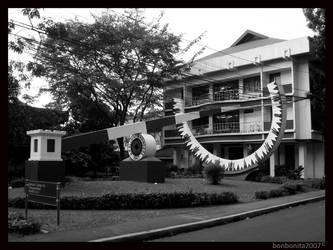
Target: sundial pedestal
(151, 170)
(142, 165)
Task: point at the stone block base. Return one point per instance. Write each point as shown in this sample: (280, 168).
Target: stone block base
(53, 171)
(146, 170)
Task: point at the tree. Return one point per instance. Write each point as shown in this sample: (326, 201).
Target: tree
(117, 63)
(18, 45)
(316, 19)
(22, 117)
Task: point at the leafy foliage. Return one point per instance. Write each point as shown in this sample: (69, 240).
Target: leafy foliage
(117, 64)
(316, 18)
(22, 118)
(18, 224)
(275, 179)
(97, 157)
(137, 201)
(195, 169)
(214, 173)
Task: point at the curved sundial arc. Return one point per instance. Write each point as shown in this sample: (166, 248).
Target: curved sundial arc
(251, 161)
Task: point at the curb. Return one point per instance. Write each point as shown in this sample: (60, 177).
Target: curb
(192, 226)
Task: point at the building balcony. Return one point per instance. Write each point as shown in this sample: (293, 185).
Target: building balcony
(232, 94)
(227, 95)
(228, 128)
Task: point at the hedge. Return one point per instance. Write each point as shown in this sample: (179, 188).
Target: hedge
(18, 224)
(286, 189)
(17, 183)
(135, 201)
(275, 179)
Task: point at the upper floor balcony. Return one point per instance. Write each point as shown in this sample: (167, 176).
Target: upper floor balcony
(225, 95)
(239, 90)
(228, 127)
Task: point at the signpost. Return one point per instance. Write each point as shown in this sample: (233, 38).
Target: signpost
(43, 192)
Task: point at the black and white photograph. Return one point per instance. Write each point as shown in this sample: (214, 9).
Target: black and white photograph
(159, 125)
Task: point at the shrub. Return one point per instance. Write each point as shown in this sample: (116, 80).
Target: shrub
(15, 172)
(262, 195)
(277, 193)
(295, 174)
(255, 175)
(194, 170)
(318, 183)
(275, 179)
(287, 188)
(292, 188)
(17, 183)
(136, 201)
(214, 173)
(18, 224)
(281, 170)
(170, 169)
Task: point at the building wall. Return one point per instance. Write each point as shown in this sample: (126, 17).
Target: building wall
(302, 108)
(294, 77)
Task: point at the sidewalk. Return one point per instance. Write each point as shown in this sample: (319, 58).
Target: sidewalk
(200, 217)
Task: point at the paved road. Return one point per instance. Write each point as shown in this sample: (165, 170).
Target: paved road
(303, 223)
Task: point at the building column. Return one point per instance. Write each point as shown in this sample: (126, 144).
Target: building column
(210, 123)
(217, 149)
(245, 150)
(186, 158)
(226, 152)
(174, 156)
(302, 154)
(211, 91)
(193, 159)
(272, 164)
(241, 88)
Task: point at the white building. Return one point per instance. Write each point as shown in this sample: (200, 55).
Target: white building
(237, 77)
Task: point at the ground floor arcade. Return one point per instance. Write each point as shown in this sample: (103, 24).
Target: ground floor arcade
(309, 154)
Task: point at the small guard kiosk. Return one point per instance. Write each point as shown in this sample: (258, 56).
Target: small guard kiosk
(45, 162)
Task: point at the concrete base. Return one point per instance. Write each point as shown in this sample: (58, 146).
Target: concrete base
(53, 171)
(146, 170)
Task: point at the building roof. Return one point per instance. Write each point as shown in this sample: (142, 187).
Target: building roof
(248, 40)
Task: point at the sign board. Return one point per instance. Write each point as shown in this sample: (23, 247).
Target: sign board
(43, 192)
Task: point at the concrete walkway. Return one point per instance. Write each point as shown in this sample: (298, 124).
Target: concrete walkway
(198, 218)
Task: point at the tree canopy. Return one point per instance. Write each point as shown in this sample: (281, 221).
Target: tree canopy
(117, 63)
(317, 22)
(22, 117)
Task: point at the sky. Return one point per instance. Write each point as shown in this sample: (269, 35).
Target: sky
(221, 27)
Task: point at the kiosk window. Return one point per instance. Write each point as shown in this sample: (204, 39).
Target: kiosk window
(50, 145)
(35, 145)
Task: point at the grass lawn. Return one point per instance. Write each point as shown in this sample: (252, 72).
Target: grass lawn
(78, 219)
(244, 189)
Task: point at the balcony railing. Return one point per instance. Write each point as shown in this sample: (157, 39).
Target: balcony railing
(201, 99)
(228, 127)
(225, 95)
(231, 94)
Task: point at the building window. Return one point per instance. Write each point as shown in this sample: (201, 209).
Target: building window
(200, 95)
(200, 126)
(50, 145)
(252, 84)
(246, 111)
(174, 93)
(35, 145)
(226, 91)
(275, 77)
(227, 122)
